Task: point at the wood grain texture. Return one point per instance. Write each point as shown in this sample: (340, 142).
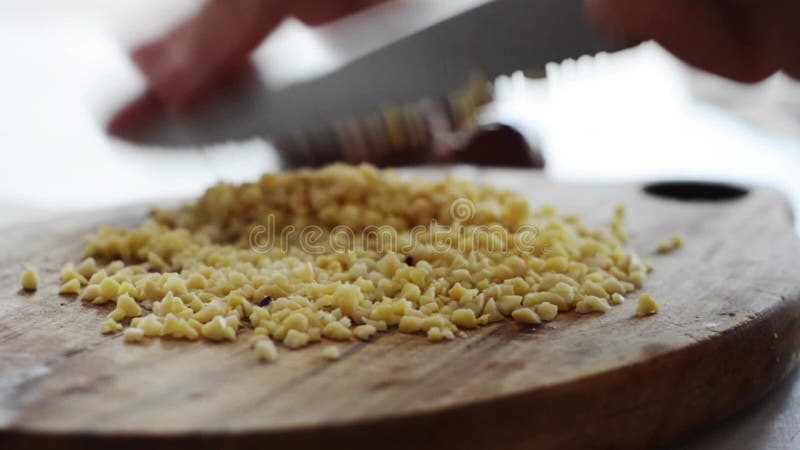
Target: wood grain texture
(727, 332)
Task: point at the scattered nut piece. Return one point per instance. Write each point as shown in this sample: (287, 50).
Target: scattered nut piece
(464, 318)
(526, 315)
(68, 273)
(646, 306)
(331, 352)
(126, 307)
(409, 324)
(435, 334)
(364, 332)
(616, 299)
(87, 267)
(592, 304)
(90, 293)
(30, 279)
(150, 325)
(71, 287)
(547, 311)
(674, 243)
(265, 349)
(297, 339)
(110, 326)
(336, 331)
(218, 329)
(133, 334)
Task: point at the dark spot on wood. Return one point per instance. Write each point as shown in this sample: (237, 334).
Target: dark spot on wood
(528, 329)
(265, 301)
(506, 366)
(391, 383)
(74, 351)
(655, 348)
(87, 386)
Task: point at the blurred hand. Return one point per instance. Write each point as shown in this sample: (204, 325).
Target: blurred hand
(189, 61)
(745, 40)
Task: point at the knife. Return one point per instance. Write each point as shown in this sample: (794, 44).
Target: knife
(418, 93)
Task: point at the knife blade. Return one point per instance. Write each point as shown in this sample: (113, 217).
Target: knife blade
(398, 81)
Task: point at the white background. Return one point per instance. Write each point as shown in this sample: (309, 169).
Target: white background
(639, 114)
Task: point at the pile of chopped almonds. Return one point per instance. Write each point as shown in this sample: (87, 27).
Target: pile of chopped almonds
(674, 243)
(386, 253)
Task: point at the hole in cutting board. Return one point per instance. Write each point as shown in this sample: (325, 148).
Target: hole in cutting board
(696, 190)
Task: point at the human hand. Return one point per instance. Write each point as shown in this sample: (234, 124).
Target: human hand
(745, 40)
(192, 59)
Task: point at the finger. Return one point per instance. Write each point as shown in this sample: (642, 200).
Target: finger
(191, 59)
(716, 35)
(135, 115)
(778, 21)
(315, 12)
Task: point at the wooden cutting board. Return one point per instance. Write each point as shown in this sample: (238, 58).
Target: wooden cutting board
(727, 332)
